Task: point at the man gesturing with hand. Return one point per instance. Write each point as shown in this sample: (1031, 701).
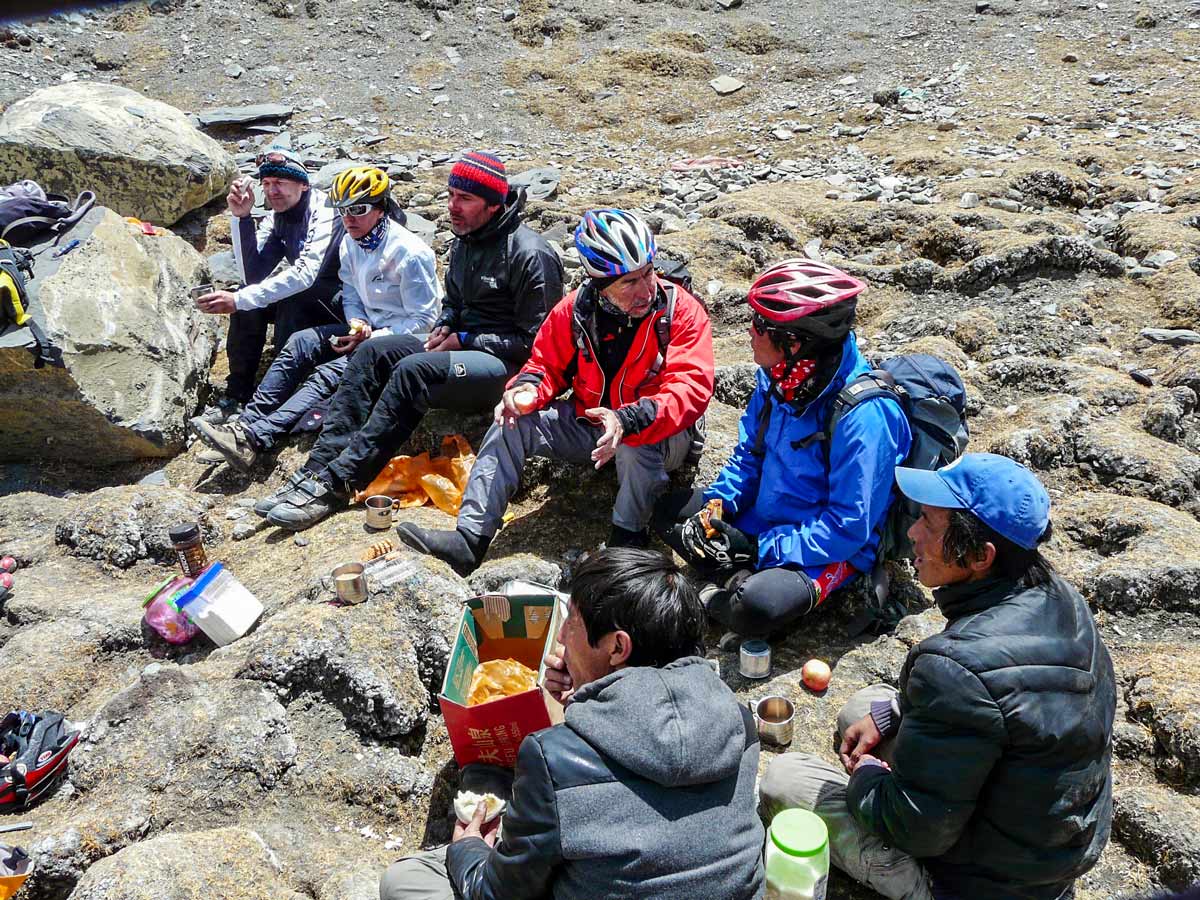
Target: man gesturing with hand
(636, 351)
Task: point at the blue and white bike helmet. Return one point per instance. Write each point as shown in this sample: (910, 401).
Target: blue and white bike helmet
(612, 242)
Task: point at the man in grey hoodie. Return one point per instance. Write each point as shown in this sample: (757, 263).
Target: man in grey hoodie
(645, 790)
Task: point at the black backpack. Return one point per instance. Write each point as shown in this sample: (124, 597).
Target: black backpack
(27, 219)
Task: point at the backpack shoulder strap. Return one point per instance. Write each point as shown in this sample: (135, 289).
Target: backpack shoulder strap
(764, 419)
(868, 386)
(662, 325)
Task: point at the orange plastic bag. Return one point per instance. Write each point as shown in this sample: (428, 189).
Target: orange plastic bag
(499, 678)
(417, 480)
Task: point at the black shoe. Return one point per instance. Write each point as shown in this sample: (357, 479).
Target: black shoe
(463, 552)
(264, 506)
(310, 501)
(623, 537)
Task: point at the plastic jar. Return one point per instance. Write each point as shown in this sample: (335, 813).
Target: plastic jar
(221, 605)
(189, 548)
(797, 857)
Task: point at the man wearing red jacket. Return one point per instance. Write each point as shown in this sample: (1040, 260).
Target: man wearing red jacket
(637, 352)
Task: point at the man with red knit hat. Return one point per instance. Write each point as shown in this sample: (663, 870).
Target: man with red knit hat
(501, 280)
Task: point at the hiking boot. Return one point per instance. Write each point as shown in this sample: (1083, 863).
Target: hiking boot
(210, 457)
(231, 441)
(310, 501)
(623, 537)
(222, 412)
(463, 552)
(281, 494)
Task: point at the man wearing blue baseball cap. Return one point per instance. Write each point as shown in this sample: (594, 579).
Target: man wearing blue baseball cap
(988, 773)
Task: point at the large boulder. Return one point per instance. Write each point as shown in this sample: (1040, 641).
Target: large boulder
(134, 350)
(142, 157)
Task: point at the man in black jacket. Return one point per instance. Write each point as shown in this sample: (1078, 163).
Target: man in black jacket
(502, 279)
(987, 775)
(646, 789)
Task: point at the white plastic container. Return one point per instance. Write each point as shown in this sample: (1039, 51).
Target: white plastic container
(220, 605)
(797, 857)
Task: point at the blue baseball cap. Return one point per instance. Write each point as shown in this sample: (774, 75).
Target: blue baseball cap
(1000, 492)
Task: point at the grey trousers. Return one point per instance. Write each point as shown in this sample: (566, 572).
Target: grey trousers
(556, 433)
(807, 781)
(422, 876)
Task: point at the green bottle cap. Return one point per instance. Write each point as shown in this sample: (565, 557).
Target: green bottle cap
(798, 832)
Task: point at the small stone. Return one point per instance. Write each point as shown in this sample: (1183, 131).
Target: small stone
(235, 71)
(508, 15)
(243, 531)
(301, 541)
(1070, 58)
(1102, 78)
(1159, 259)
(968, 200)
(725, 85)
(782, 134)
(729, 4)
(1003, 203)
(236, 513)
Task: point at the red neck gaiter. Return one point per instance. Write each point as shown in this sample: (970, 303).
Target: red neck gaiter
(787, 377)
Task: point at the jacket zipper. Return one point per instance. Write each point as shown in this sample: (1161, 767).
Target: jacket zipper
(625, 368)
(595, 358)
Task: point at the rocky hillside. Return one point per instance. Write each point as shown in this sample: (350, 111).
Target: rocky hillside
(1019, 182)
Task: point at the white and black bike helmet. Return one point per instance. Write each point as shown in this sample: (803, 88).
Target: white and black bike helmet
(612, 242)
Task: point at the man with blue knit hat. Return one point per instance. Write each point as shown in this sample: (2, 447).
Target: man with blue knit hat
(301, 228)
(988, 773)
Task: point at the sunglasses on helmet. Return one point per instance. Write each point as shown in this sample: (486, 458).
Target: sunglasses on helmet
(358, 209)
(275, 158)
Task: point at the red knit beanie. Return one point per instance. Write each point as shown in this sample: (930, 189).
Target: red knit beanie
(481, 174)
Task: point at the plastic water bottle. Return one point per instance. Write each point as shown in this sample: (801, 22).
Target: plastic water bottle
(797, 858)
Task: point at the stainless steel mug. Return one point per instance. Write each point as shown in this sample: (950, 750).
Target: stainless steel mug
(200, 290)
(379, 512)
(774, 716)
(754, 659)
(350, 583)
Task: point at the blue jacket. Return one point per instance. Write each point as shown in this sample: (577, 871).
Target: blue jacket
(821, 504)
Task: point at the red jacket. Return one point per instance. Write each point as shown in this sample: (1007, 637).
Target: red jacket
(654, 397)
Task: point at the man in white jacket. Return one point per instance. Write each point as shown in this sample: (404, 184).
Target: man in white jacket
(389, 286)
(300, 228)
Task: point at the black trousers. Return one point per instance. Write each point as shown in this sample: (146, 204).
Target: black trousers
(389, 385)
(248, 331)
(760, 603)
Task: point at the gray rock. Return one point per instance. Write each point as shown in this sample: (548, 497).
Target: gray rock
(243, 115)
(735, 384)
(382, 679)
(969, 200)
(1160, 259)
(1003, 203)
(539, 184)
(1172, 337)
(1166, 703)
(1158, 826)
(508, 15)
(121, 525)
(1166, 413)
(420, 226)
(323, 179)
(81, 136)
(135, 351)
(726, 84)
(244, 530)
(223, 269)
(494, 574)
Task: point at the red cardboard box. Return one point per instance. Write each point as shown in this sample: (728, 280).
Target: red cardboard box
(520, 622)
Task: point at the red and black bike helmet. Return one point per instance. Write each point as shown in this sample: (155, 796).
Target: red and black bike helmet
(807, 300)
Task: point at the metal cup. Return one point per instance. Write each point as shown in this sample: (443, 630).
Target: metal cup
(350, 583)
(200, 290)
(379, 512)
(754, 659)
(774, 716)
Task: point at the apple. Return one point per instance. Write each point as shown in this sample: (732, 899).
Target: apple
(525, 400)
(8, 564)
(6, 580)
(816, 675)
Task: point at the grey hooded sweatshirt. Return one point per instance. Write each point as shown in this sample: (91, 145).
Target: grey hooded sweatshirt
(646, 790)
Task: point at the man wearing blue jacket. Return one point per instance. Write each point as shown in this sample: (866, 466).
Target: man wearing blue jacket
(799, 514)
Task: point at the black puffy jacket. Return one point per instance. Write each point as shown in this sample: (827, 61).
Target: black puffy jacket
(1001, 778)
(501, 281)
(646, 790)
